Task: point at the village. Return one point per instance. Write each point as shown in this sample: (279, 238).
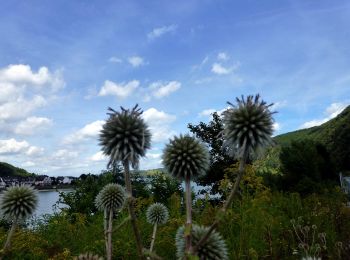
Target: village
(39, 181)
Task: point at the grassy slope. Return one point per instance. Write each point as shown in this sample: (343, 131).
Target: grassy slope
(7, 169)
(323, 133)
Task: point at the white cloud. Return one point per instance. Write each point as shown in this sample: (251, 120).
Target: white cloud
(331, 111)
(159, 123)
(160, 90)
(23, 90)
(276, 127)
(219, 69)
(278, 104)
(206, 112)
(89, 131)
(21, 108)
(23, 75)
(115, 60)
(12, 146)
(33, 125)
(98, 157)
(136, 61)
(223, 56)
(157, 32)
(28, 164)
(121, 90)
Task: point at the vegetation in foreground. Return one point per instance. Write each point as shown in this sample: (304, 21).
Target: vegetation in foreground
(253, 217)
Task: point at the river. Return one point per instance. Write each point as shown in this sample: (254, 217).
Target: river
(47, 199)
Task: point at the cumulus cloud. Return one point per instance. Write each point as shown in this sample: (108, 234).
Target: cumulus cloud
(206, 112)
(23, 75)
(160, 90)
(98, 157)
(21, 107)
(89, 131)
(120, 90)
(12, 147)
(223, 56)
(331, 111)
(23, 90)
(159, 123)
(32, 125)
(136, 61)
(159, 31)
(219, 69)
(114, 59)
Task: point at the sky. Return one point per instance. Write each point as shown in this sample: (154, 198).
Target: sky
(63, 63)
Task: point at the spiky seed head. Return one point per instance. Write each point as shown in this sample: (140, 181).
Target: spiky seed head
(186, 156)
(111, 197)
(214, 248)
(157, 213)
(18, 202)
(88, 256)
(125, 136)
(247, 125)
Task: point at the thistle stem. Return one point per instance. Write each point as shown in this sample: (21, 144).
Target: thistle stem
(227, 203)
(153, 237)
(110, 222)
(188, 230)
(131, 209)
(9, 236)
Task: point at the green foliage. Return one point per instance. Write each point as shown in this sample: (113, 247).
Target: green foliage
(18, 202)
(334, 134)
(185, 156)
(306, 166)
(7, 169)
(125, 136)
(211, 135)
(82, 198)
(157, 213)
(214, 248)
(162, 186)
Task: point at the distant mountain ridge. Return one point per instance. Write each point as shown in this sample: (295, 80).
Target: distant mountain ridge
(334, 134)
(7, 169)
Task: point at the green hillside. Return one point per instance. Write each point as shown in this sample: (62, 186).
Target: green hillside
(334, 134)
(7, 169)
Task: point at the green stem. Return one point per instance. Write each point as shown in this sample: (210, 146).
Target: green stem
(188, 229)
(110, 223)
(131, 209)
(153, 237)
(227, 203)
(9, 236)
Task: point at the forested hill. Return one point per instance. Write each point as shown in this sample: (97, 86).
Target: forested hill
(334, 134)
(7, 169)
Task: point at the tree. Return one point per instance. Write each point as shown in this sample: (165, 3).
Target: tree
(125, 137)
(211, 134)
(306, 165)
(248, 126)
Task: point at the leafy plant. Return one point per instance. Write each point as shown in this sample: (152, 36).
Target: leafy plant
(17, 203)
(185, 158)
(125, 137)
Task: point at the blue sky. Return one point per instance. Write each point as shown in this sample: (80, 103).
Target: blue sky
(62, 63)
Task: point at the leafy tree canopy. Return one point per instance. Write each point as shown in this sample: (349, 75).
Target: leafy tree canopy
(210, 133)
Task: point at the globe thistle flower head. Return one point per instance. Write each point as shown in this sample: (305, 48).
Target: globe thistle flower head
(213, 249)
(186, 156)
(247, 125)
(157, 213)
(18, 202)
(125, 136)
(111, 197)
